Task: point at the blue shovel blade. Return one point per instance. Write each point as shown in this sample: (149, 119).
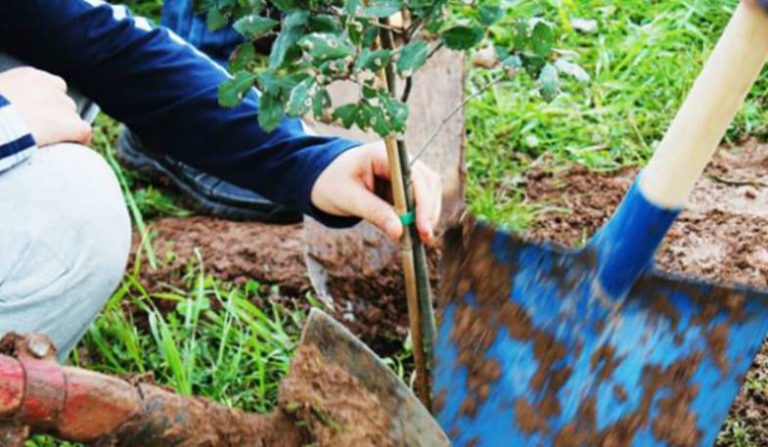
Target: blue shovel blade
(530, 353)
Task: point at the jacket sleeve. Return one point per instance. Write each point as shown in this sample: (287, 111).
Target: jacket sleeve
(167, 92)
(16, 141)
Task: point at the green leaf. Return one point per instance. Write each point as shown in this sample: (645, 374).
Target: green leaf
(490, 14)
(242, 57)
(370, 91)
(548, 82)
(296, 19)
(325, 46)
(364, 115)
(254, 26)
(351, 7)
(382, 8)
(372, 60)
(269, 81)
(463, 37)
(379, 123)
(542, 39)
(346, 114)
(412, 57)
(280, 47)
(300, 99)
(334, 68)
(284, 5)
(397, 113)
(370, 35)
(355, 29)
(215, 20)
(270, 111)
(293, 25)
(324, 23)
(232, 91)
(320, 102)
(521, 35)
(512, 62)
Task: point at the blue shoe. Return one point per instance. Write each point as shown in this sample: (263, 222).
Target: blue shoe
(208, 194)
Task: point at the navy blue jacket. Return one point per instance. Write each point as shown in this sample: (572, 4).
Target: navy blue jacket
(165, 90)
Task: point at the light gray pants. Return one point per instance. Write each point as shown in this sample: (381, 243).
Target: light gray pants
(64, 240)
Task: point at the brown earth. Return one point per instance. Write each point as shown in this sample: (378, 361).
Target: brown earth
(332, 405)
(720, 237)
(232, 251)
(370, 304)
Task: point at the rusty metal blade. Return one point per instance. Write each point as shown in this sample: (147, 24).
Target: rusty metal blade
(530, 353)
(411, 423)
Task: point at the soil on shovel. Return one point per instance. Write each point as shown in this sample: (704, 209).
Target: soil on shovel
(721, 237)
(333, 407)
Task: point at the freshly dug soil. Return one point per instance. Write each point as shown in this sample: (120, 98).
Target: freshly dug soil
(720, 237)
(365, 279)
(334, 407)
(233, 251)
(370, 303)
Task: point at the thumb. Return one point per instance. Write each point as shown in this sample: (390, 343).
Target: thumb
(372, 208)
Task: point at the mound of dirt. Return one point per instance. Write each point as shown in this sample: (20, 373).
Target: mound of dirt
(371, 304)
(720, 237)
(232, 251)
(332, 406)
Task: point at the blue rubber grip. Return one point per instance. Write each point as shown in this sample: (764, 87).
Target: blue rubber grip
(625, 246)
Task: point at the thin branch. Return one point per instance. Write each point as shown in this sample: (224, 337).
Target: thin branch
(409, 79)
(407, 90)
(451, 115)
(414, 29)
(399, 32)
(388, 44)
(434, 51)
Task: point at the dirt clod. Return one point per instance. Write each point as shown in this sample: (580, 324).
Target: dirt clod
(334, 407)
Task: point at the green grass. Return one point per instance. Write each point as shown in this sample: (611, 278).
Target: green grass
(642, 61)
(211, 340)
(206, 339)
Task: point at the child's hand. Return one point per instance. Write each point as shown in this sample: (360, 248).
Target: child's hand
(346, 188)
(41, 100)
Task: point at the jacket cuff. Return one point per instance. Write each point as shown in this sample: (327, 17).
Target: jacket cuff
(16, 141)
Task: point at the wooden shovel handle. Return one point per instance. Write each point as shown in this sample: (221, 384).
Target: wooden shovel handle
(709, 109)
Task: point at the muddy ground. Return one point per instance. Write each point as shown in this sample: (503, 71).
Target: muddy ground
(239, 252)
(720, 237)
